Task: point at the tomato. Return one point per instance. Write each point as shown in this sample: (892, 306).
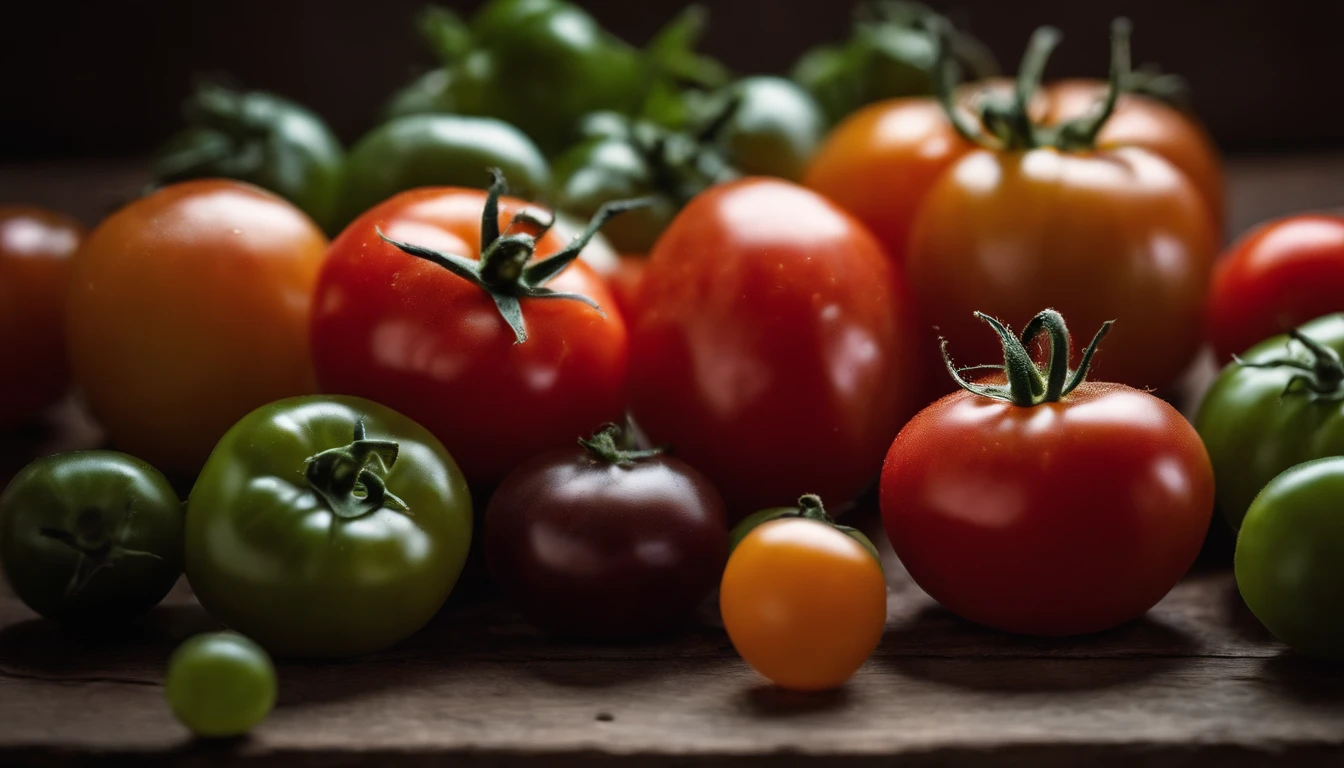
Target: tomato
(771, 344)
(90, 537)
(803, 603)
(1288, 558)
(1047, 505)
(809, 508)
(881, 162)
(36, 247)
(188, 309)
(220, 684)
(775, 127)
(1276, 277)
(438, 150)
(1280, 404)
(626, 283)
(1143, 121)
(468, 347)
(262, 139)
(327, 526)
(604, 541)
(1052, 218)
(892, 52)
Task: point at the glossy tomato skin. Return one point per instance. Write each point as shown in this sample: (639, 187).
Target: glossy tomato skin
(804, 604)
(438, 150)
(1059, 519)
(90, 538)
(1287, 561)
(880, 162)
(188, 309)
(1145, 122)
(772, 346)
(1118, 235)
(583, 547)
(1275, 278)
(271, 558)
(36, 247)
(1256, 426)
(407, 333)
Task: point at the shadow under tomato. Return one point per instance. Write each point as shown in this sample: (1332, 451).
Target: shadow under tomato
(941, 647)
(1305, 679)
(43, 646)
(769, 700)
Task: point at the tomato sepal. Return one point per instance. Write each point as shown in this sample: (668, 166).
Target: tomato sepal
(809, 507)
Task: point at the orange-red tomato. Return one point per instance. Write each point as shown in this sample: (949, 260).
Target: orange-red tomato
(881, 162)
(189, 309)
(36, 247)
(1142, 121)
(1277, 277)
(1103, 235)
(804, 604)
(626, 282)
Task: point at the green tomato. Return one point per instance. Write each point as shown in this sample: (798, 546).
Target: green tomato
(220, 684)
(1283, 404)
(1290, 558)
(604, 169)
(775, 128)
(543, 66)
(809, 507)
(429, 94)
(90, 537)
(327, 526)
(262, 139)
(439, 150)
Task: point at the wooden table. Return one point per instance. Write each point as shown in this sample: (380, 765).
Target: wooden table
(1196, 682)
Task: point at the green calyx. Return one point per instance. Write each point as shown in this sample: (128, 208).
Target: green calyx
(684, 160)
(614, 445)
(1006, 124)
(505, 270)
(98, 543)
(809, 508)
(1321, 375)
(1028, 384)
(350, 478)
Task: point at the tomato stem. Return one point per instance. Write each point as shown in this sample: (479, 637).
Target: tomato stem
(350, 479)
(1322, 376)
(505, 270)
(1028, 384)
(98, 544)
(612, 444)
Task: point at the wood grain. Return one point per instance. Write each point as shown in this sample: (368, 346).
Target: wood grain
(1196, 682)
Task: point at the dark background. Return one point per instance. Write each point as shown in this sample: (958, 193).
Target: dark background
(105, 78)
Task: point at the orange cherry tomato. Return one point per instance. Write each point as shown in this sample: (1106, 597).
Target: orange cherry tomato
(1277, 277)
(1143, 121)
(804, 604)
(189, 309)
(36, 247)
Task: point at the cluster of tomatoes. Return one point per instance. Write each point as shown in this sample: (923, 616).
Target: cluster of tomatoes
(779, 342)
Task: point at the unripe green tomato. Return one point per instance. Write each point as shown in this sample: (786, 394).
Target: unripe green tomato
(220, 684)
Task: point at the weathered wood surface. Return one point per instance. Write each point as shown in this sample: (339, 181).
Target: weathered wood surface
(1196, 682)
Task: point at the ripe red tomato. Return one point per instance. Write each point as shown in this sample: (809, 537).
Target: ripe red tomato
(35, 253)
(626, 282)
(1047, 505)
(416, 335)
(772, 345)
(1277, 277)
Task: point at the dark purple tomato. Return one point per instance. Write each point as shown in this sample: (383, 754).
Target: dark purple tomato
(603, 542)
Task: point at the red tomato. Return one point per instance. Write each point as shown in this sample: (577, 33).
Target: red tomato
(1276, 278)
(626, 281)
(416, 336)
(1047, 513)
(35, 253)
(771, 347)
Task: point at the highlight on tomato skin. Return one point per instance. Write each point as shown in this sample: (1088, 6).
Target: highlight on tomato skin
(804, 601)
(1042, 503)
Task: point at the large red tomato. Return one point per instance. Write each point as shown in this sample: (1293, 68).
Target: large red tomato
(1274, 279)
(1047, 505)
(497, 365)
(773, 347)
(36, 247)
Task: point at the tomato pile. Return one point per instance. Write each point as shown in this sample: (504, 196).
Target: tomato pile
(731, 319)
